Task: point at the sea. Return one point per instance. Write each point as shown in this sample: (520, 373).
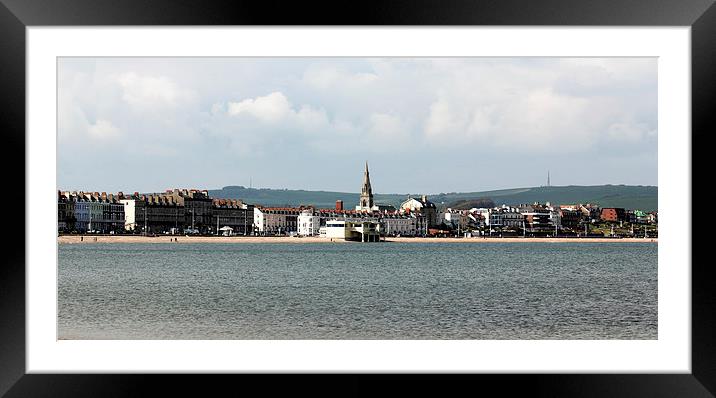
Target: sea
(358, 291)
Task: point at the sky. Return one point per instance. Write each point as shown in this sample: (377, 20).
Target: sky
(424, 125)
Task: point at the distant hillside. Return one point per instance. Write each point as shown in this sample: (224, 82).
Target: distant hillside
(466, 204)
(288, 197)
(627, 196)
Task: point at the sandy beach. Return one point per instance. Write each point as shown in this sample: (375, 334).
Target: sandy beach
(81, 239)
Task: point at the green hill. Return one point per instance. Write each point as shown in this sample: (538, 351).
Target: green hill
(628, 196)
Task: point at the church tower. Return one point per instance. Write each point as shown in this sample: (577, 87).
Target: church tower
(366, 193)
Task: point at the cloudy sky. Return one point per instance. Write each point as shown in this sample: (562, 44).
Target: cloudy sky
(424, 124)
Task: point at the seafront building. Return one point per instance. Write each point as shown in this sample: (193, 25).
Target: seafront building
(570, 217)
(65, 213)
(537, 217)
(367, 218)
(234, 215)
(397, 224)
(362, 231)
(503, 217)
(614, 214)
(276, 220)
(173, 211)
(153, 214)
(89, 212)
(311, 221)
(192, 211)
(424, 211)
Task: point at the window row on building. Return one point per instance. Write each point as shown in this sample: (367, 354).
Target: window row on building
(173, 211)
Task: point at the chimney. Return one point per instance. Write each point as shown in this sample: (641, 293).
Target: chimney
(339, 205)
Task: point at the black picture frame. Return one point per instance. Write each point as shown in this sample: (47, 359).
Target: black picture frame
(16, 15)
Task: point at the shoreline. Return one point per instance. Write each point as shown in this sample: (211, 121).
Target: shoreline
(88, 239)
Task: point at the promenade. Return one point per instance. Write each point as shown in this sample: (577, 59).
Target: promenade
(81, 239)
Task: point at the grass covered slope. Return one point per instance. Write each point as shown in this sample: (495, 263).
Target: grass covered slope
(628, 196)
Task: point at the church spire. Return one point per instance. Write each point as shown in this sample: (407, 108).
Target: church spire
(366, 179)
(366, 192)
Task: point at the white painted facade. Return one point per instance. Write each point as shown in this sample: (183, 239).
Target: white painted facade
(364, 231)
(398, 225)
(269, 221)
(130, 214)
(412, 205)
(336, 229)
(308, 223)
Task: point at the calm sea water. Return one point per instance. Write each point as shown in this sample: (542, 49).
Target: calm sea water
(358, 291)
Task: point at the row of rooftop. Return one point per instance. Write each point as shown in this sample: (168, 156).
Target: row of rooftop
(193, 210)
(182, 210)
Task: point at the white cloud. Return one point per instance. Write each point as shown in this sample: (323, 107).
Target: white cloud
(543, 107)
(276, 111)
(149, 92)
(270, 108)
(536, 120)
(340, 108)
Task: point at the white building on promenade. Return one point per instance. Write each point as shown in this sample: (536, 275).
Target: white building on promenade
(309, 223)
(362, 231)
(130, 215)
(276, 220)
(398, 224)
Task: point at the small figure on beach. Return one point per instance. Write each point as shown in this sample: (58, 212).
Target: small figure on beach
(82, 238)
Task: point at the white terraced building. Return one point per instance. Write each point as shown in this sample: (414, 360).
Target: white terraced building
(309, 223)
(397, 224)
(276, 220)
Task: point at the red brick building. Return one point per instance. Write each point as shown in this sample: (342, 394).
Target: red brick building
(613, 214)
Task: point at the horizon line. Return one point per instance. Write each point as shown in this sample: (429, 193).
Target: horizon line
(357, 193)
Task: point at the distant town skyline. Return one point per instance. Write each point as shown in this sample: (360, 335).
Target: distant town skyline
(423, 124)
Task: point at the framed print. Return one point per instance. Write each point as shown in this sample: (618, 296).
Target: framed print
(439, 112)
